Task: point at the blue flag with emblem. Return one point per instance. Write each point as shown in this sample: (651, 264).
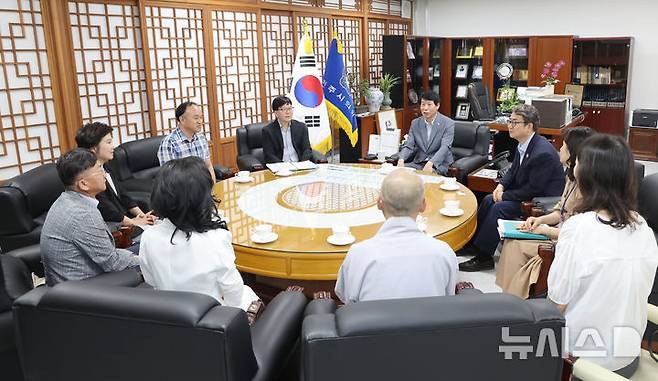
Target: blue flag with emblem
(337, 92)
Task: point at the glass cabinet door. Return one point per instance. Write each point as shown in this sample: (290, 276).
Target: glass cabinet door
(415, 71)
(467, 57)
(434, 69)
(513, 51)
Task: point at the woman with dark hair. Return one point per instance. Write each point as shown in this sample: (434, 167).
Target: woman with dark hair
(190, 250)
(116, 207)
(605, 259)
(519, 264)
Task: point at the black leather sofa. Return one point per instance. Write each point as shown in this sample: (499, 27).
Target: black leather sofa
(15, 280)
(648, 207)
(24, 202)
(470, 148)
(448, 338)
(91, 331)
(250, 148)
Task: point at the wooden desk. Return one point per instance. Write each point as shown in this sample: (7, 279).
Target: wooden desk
(301, 251)
(368, 125)
(481, 184)
(554, 133)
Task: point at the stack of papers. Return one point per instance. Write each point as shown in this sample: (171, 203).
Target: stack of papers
(300, 166)
(507, 229)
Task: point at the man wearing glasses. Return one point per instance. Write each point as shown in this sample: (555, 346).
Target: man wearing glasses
(75, 241)
(285, 139)
(536, 171)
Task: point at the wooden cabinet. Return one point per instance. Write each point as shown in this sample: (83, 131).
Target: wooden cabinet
(601, 66)
(606, 120)
(418, 61)
(644, 143)
(550, 49)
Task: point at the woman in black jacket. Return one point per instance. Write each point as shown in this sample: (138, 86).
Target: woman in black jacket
(116, 207)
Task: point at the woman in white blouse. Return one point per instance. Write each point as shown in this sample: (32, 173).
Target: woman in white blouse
(190, 250)
(605, 260)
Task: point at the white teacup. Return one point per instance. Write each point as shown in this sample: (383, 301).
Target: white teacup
(284, 172)
(450, 181)
(341, 231)
(262, 230)
(243, 174)
(451, 204)
(381, 156)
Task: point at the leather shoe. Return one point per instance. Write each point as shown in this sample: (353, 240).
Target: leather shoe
(478, 263)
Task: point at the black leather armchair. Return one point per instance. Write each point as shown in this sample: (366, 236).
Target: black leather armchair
(449, 338)
(470, 148)
(15, 280)
(24, 203)
(85, 330)
(250, 148)
(481, 105)
(136, 164)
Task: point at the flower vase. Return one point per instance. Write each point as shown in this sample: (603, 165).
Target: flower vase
(549, 89)
(386, 104)
(375, 99)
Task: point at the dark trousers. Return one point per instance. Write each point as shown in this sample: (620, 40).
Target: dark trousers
(486, 237)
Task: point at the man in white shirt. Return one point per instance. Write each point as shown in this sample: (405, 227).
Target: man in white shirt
(400, 261)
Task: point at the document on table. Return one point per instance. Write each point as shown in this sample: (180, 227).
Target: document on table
(300, 166)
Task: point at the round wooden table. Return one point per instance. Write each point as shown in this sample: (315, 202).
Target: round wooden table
(303, 207)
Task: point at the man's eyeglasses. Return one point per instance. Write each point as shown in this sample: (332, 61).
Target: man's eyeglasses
(515, 122)
(286, 109)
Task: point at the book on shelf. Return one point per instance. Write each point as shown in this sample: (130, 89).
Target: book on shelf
(596, 75)
(508, 229)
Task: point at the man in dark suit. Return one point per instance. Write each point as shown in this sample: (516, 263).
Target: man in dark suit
(536, 171)
(285, 139)
(429, 143)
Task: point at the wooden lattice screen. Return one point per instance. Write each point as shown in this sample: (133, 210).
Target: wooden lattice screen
(135, 61)
(107, 47)
(28, 132)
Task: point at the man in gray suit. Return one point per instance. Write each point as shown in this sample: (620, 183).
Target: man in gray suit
(75, 241)
(428, 146)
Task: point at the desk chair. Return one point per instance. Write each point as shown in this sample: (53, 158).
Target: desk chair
(481, 106)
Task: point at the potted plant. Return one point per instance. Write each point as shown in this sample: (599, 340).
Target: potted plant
(386, 83)
(507, 103)
(361, 89)
(549, 74)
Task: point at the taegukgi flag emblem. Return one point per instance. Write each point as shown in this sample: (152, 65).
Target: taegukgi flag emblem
(307, 96)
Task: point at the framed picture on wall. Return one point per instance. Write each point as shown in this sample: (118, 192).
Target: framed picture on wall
(477, 72)
(462, 71)
(462, 92)
(463, 109)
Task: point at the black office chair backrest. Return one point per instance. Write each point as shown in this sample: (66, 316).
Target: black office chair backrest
(250, 140)
(481, 106)
(470, 139)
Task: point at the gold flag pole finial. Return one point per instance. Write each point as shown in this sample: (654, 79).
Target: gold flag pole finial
(305, 24)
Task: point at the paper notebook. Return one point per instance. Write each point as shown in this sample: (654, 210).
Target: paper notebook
(507, 229)
(302, 165)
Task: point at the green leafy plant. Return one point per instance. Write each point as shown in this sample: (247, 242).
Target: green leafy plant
(360, 88)
(507, 104)
(387, 81)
